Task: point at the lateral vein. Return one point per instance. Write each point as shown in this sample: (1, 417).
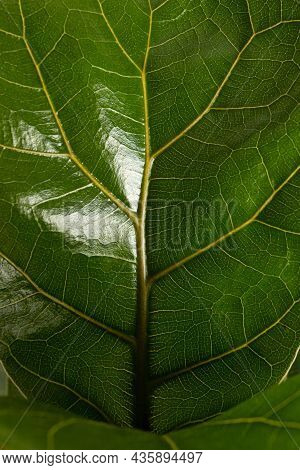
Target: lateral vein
(71, 154)
(277, 228)
(116, 38)
(33, 152)
(10, 34)
(178, 264)
(54, 382)
(254, 420)
(61, 303)
(172, 375)
(216, 95)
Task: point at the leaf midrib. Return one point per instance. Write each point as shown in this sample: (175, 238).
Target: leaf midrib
(141, 379)
(138, 218)
(150, 281)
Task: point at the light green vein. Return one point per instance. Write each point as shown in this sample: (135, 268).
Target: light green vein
(33, 152)
(116, 38)
(196, 253)
(54, 382)
(217, 93)
(72, 155)
(119, 334)
(191, 367)
(276, 228)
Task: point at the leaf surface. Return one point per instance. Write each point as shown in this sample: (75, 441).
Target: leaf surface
(149, 204)
(269, 420)
(295, 369)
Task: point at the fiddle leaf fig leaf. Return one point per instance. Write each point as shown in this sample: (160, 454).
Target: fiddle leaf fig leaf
(295, 369)
(149, 204)
(270, 420)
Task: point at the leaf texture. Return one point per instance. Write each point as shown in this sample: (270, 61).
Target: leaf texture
(149, 204)
(295, 369)
(269, 420)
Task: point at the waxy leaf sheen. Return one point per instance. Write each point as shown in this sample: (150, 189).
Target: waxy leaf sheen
(149, 204)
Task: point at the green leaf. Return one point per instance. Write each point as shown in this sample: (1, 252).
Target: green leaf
(269, 420)
(149, 202)
(3, 382)
(47, 427)
(295, 369)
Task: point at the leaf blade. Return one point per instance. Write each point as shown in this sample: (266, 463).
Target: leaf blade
(251, 425)
(107, 132)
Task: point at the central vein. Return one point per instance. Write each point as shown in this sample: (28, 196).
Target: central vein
(142, 402)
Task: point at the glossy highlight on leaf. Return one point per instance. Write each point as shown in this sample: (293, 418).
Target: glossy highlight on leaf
(149, 204)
